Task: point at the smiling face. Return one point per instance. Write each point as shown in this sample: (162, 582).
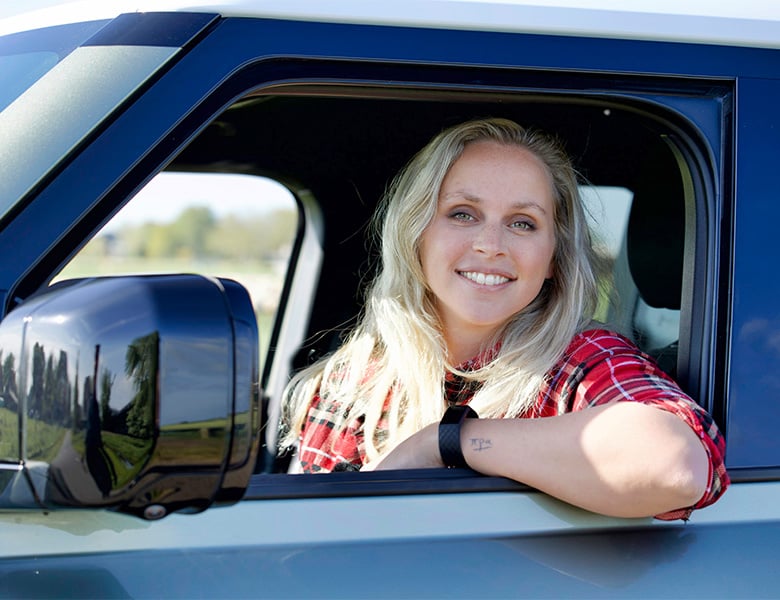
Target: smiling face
(490, 245)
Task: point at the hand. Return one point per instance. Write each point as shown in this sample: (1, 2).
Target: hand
(418, 451)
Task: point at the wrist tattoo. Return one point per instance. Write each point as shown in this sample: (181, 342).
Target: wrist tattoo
(480, 444)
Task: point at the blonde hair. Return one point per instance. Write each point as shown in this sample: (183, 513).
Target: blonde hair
(376, 366)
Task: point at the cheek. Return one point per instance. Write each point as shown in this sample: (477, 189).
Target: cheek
(426, 257)
(434, 247)
(423, 251)
(537, 258)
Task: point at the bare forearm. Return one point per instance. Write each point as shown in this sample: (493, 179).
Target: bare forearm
(624, 459)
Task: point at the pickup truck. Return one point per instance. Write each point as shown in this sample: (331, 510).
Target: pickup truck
(140, 401)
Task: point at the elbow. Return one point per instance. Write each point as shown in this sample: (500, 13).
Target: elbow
(678, 486)
(682, 480)
(684, 476)
(679, 479)
(690, 476)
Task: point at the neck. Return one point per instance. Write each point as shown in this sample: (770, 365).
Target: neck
(463, 346)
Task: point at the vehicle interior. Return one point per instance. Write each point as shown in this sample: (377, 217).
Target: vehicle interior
(344, 148)
(338, 147)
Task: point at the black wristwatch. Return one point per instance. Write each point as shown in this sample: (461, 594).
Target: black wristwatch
(449, 435)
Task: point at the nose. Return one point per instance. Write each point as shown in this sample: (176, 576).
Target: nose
(489, 240)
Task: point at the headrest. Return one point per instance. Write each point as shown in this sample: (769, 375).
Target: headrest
(656, 230)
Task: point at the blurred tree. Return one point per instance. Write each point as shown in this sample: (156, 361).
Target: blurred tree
(198, 234)
(36, 394)
(106, 383)
(141, 362)
(189, 232)
(258, 238)
(10, 392)
(156, 242)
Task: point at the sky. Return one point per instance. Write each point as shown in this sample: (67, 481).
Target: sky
(9, 8)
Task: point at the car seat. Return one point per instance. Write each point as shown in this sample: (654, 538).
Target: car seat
(655, 251)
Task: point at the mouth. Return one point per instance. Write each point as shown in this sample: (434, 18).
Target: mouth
(488, 279)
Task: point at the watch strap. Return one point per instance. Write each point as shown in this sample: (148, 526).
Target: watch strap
(449, 435)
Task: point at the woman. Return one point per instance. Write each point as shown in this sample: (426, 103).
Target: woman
(484, 299)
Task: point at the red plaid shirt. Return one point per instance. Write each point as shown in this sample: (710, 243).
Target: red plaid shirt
(598, 367)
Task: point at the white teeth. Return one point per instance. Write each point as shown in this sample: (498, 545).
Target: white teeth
(484, 279)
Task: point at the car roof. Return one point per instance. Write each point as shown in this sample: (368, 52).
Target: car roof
(753, 23)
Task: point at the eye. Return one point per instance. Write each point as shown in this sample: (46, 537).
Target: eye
(460, 215)
(523, 225)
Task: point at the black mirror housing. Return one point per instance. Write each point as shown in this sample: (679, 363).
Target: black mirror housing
(134, 393)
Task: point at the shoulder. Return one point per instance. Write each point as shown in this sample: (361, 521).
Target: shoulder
(601, 365)
(600, 343)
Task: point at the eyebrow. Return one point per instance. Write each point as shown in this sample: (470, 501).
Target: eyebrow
(477, 200)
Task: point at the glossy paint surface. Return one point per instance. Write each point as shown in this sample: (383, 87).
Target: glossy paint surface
(455, 545)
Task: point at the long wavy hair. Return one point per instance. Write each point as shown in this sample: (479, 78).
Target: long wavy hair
(395, 359)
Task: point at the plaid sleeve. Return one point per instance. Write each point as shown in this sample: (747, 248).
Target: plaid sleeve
(323, 450)
(601, 367)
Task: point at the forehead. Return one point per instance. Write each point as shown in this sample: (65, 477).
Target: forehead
(487, 152)
(490, 167)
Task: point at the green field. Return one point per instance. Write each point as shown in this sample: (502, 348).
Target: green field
(9, 435)
(43, 440)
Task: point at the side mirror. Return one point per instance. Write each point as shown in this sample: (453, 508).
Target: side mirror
(138, 394)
